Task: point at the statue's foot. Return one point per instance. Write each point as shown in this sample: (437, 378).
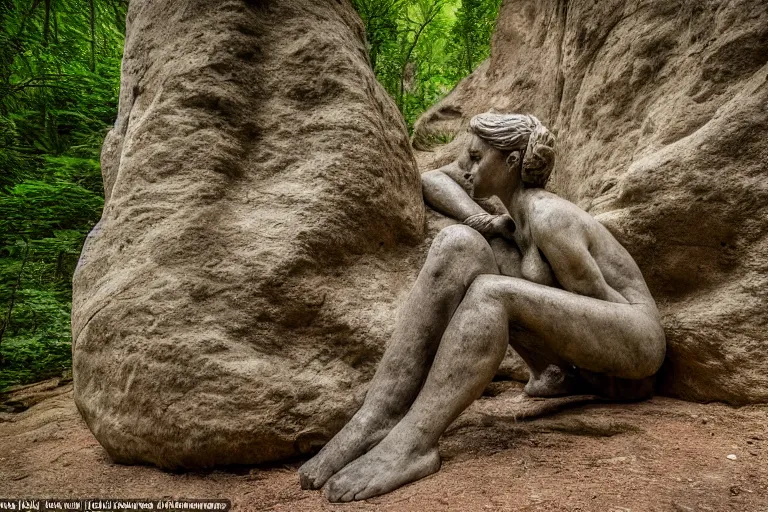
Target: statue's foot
(352, 441)
(317, 470)
(553, 381)
(383, 469)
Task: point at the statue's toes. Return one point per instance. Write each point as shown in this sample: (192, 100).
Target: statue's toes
(305, 479)
(335, 490)
(369, 491)
(345, 490)
(347, 497)
(310, 475)
(343, 486)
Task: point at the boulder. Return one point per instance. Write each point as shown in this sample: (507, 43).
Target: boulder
(262, 221)
(661, 112)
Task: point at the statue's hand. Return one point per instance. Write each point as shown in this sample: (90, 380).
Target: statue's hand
(491, 226)
(504, 226)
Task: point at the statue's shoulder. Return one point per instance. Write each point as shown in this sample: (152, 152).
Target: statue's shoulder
(549, 213)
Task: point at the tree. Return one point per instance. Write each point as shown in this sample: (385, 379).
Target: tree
(425, 12)
(380, 18)
(59, 80)
(472, 32)
(420, 49)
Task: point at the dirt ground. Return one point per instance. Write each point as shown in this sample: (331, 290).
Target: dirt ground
(507, 452)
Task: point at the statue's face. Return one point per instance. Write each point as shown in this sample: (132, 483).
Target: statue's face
(487, 167)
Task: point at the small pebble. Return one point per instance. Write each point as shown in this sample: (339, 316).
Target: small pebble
(731, 457)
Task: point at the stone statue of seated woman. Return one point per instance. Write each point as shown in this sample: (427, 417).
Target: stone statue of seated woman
(543, 276)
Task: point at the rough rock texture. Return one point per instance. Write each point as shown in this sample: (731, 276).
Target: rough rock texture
(662, 113)
(262, 202)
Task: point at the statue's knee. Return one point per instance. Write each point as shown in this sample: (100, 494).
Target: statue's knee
(462, 246)
(653, 354)
(484, 291)
(647, 356)
(459, 237)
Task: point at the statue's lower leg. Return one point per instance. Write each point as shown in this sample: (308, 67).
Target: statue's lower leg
(457, 256)
(469, 354)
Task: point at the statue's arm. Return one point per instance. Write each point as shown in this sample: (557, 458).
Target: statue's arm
(444, 194)
(565, 247)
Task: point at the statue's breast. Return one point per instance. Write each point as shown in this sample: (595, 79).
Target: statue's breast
(535, 268)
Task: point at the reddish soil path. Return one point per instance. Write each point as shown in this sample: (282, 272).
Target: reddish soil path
(658, 455)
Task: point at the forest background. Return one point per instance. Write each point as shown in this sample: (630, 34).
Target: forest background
(59, 85)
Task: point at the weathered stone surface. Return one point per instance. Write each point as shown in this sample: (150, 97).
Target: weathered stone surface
(262, 204)
(662, 115)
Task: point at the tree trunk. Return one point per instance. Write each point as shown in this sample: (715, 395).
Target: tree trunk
(47, 22)
(93, 36)
(12, 302)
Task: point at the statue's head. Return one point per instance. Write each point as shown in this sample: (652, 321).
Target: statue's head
(530, 146)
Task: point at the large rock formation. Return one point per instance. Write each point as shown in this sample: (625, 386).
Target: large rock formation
(662, 114)
(261, 197)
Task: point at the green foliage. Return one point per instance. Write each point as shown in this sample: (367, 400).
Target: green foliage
(471, 34)
(59, 81)
(420, 49)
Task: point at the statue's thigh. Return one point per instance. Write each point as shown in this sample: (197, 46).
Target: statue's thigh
(603, 337)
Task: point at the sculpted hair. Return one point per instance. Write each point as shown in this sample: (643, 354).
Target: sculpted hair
(520, 132)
